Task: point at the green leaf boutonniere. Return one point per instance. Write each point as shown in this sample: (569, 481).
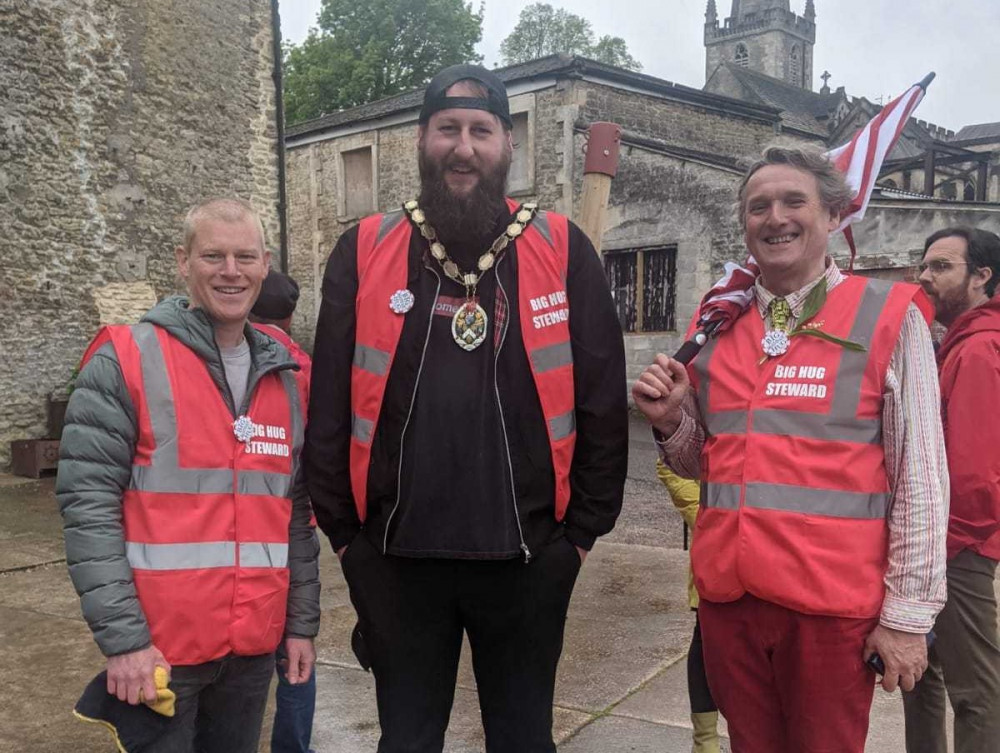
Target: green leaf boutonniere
(812, 306)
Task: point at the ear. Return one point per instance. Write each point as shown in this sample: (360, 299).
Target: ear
(421, 132)
(834, 221)
(510, 140)
(183, 262)
(981, 277)
(267, 261)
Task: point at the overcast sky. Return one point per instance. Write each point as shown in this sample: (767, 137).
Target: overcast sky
(874, 48)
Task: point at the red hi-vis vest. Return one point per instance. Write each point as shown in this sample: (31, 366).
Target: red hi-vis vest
(795, 492)
(206, 516)
(542, 263)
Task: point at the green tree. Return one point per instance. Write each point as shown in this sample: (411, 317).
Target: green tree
(614, 51)
(364, 50)
(542, 30)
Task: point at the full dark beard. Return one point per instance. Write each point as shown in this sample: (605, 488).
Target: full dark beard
(462, 219)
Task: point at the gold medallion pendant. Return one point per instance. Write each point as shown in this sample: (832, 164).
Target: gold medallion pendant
(468, 326)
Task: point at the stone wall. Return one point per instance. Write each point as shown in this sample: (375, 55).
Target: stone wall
(893, 232)
(117, 116)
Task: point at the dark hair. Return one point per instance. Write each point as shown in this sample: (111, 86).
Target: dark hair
(834, 193)
(982, 249)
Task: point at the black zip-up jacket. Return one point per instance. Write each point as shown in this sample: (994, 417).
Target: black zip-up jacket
(600, 460)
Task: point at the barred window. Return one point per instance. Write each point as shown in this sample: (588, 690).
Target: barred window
(742, 56)
(794, 66)
(642, 285)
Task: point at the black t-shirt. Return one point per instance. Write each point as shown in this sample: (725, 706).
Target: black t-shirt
(455, 479)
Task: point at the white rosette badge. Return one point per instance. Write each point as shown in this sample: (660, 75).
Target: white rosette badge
(243, 429)
(401, 301)
(775, 342)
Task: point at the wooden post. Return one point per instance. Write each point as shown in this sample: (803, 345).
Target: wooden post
(600, 166)
(640, 289)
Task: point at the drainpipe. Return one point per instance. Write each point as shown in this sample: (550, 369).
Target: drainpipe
(279, 116)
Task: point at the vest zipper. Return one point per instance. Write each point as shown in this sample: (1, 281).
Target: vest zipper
(409, 412)
(503, 423)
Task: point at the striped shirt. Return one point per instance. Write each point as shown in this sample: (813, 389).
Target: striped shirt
(915, 462)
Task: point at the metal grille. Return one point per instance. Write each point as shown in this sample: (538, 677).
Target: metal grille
(621, 270)
(649, 307)
(659, 272)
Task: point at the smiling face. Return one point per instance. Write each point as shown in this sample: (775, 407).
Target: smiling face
(787, 228)
(224, 269)
(951, 284)
(465, 145)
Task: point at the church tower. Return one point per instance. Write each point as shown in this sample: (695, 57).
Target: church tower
(765, 36)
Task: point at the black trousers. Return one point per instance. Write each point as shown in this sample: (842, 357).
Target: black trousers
(412, 614)
(219, 707)
(699, 695)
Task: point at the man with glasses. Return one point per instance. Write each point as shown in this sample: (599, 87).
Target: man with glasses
(959, 272)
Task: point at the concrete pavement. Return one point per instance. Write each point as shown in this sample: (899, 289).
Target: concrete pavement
(621, 684)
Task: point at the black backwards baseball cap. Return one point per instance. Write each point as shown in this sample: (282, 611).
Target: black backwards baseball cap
(495, 100)
(278, 295)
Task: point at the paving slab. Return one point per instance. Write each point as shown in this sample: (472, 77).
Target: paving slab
(663, 700)
(30, 526)
(347, 718)
(45, 663)
(616, 734)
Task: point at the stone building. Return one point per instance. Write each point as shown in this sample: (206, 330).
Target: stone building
(670, 222)
(116, 116)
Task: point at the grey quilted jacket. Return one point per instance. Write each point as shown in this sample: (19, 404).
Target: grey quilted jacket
(95, 466)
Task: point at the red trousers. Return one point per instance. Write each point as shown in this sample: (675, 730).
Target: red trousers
(787, 682)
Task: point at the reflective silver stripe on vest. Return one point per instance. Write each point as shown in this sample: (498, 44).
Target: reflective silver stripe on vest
(812, 501)
(389, 221)
(259, 554)
(159, 395)
(727, 422)
(156, 478)
(298, 426)
(361, 428)
(807, 500)
(205, 555)
(164, 474)
(723, 496)
(541, 224)
(181, 556)
(841, 423)
(552, 357)
(563, 426)
(265, 484)
(370, 359)
(830, 427)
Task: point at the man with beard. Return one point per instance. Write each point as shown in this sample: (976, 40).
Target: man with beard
(959, 272)
(467, 438)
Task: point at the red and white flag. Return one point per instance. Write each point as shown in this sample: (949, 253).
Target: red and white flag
(859, 160)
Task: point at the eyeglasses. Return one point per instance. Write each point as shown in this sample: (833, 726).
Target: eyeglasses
(939, 266)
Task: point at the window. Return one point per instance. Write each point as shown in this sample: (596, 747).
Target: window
(742, 56)
(794, 66)
(647, 306)
(969, 193)
(359, 197)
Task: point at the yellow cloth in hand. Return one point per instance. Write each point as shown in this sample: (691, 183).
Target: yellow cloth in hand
(164, 701)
